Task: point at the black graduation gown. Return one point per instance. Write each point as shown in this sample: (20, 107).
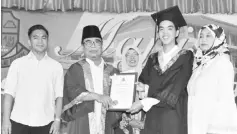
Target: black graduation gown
(169, 116)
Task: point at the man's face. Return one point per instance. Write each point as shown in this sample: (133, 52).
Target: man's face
(39, 41)
(132, 58)
(93, 48)
(167, 32)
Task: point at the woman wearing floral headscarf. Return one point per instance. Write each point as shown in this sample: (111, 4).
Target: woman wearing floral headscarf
(211, 105)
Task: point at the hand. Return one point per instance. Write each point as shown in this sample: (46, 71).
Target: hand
(141, 95)
(63, 124)
(112, 78)
(68, 115)
(136, 124)
(123, 124)
(105, 100)
(55, 127)
(136, 106)
(6, 126)
(140, 87)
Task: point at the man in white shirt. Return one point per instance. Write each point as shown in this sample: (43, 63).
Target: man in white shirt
(34, 85)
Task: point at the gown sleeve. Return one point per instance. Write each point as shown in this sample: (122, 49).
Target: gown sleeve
(145, 74)
(74, 85)
(177, 82)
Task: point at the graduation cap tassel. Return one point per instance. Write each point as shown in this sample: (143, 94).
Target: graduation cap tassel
(155, 32)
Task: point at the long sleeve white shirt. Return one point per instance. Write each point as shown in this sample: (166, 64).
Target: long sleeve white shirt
(34, 85)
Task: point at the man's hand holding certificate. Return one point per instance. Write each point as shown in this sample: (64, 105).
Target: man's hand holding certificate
(123, 91)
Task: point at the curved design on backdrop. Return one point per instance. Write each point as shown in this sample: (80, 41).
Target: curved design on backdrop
(117, 31)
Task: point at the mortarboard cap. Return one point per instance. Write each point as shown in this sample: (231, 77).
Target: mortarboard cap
(90, 31)
(172, 14)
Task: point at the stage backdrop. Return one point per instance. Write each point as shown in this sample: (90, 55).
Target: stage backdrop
(118, 31)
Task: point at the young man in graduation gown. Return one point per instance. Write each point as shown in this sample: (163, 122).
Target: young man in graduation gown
(87, 88)
(166, 73)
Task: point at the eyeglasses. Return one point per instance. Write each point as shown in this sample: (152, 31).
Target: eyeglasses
(89, 43)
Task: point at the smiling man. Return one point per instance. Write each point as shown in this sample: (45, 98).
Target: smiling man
(87, 87)
(35, 84)
(166, 73)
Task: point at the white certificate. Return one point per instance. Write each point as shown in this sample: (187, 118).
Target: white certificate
(123, 91)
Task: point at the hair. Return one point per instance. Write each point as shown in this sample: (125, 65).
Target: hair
(37, 27)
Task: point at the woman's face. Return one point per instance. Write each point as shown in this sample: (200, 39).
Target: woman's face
(132, 58)
(206, 40)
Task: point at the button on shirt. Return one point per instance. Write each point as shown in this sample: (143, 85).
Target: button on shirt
(149, 102)
(35, 85)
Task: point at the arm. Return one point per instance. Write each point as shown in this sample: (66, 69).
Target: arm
(226, 81)
(75, 85)
(58, 91)
(145, 79)
(10, 89)
(10, 92)
(59, 103)
(7, 106)
(145, 74)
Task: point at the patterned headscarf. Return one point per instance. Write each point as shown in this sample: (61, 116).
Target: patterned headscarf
(219, 46)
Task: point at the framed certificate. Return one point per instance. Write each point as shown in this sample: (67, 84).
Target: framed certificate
(123, 90)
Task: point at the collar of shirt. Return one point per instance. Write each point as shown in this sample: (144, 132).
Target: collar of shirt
(92, 64)
(169, 55)
(32, 56)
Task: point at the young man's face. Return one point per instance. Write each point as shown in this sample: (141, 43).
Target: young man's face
(93, 48)
(167, 32)
(132, 58)
(39, 41)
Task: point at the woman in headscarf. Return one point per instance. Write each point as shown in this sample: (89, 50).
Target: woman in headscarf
(132, 63)
(211, 105)
(131, 60)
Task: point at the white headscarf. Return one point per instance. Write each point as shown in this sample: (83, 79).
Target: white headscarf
(125, 66)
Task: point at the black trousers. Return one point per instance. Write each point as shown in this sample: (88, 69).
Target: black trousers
(18, 128)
